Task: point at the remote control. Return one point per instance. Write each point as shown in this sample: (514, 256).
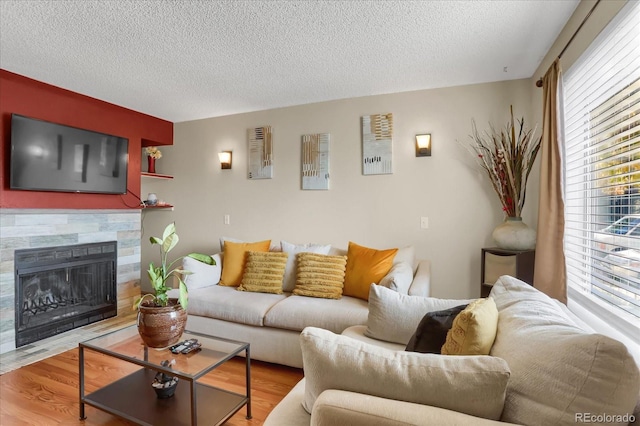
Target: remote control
(191, 348)
(176, 349)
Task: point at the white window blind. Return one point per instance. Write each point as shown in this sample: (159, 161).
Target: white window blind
(601, 102)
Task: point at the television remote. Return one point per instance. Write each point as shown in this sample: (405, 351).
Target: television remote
(176, 349)
(191, 348)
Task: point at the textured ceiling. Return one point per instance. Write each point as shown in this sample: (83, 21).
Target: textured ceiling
(186, 60)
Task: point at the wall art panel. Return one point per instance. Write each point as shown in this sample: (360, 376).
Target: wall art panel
(260, 153)
(315, 161)
(377, 148)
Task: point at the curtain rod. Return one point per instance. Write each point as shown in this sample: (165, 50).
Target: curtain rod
(539, 82)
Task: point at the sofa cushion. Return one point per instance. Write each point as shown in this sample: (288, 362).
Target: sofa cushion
(473, 385)
(298, 312)
(432, 331)
(364, 267)
(408, 255)
(558, 369)
(320, 275)
(264, 272)
(399, 277)
(226, 303)
(473, 330)
(202, 275)
(394, 317)
(235, 259)
(292, 261)
(274, 246)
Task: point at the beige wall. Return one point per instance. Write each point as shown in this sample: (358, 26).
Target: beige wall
(377, 211)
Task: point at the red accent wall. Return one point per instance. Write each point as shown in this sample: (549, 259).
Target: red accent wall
(24, 96)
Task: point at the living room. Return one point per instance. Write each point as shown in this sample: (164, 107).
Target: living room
(380, 211)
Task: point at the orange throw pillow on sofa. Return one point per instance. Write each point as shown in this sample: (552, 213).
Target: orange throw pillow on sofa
(364, 267)
(235, 259)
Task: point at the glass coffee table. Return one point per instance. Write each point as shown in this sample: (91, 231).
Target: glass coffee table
(133, 398)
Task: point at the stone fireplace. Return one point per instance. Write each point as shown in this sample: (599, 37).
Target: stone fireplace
(61, 269)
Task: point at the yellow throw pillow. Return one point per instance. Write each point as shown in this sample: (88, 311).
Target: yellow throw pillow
(320, 275)
(474, 329)
(364, 267)
(234, 260)
(264, 272)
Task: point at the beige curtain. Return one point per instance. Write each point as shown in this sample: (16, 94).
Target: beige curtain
(550, 274)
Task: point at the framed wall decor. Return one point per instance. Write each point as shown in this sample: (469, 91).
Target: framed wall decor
(315, 161)
(377, 147)
(260, 153)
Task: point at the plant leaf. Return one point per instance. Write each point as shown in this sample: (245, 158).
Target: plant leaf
(170, 229)
(204, 258)
(184, 295)
(170, 241)
(155, 240)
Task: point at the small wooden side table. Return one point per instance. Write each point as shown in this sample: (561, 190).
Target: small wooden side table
(497, 262)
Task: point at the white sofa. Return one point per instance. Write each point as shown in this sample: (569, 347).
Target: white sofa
(558, 371)
(272, 323)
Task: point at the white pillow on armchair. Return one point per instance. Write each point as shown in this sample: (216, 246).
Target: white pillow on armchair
(474, 385)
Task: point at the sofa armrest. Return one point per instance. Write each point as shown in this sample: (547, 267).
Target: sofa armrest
(334, 407)
(421, 284)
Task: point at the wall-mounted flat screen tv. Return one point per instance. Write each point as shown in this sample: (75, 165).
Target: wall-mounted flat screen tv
(52, 157)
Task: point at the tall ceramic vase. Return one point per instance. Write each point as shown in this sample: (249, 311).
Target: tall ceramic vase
(151, 165)
(514, 234)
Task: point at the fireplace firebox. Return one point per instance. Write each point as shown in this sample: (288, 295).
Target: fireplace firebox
(61, 288)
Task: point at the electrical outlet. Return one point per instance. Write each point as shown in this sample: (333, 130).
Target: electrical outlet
(424, 222)
(227, 219)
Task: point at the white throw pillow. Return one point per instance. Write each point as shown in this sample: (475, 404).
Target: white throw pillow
(289, 281)
(398, 278)
(394, 317)
(474, 385)
(558, 369)
(407, 254)
(202, 275)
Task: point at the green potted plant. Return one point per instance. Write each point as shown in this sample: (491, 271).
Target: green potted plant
(161, 320)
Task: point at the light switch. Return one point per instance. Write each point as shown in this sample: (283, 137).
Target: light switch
(424, 222)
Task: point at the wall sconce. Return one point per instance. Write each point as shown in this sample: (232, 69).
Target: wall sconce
(225, 159)
(423, 145)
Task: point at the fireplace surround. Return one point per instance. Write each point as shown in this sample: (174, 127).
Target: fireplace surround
(39, 228)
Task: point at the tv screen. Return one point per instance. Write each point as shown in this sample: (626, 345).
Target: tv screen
(51, 157)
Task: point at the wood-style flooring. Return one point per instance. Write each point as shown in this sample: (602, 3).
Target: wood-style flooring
(46, 392)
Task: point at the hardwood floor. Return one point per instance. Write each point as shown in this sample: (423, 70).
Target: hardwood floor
(46, 392)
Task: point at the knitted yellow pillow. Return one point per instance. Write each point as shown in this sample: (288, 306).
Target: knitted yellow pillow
(235, 259)
(264, 272)
(365, 266)
(320, 275)
(473, 330)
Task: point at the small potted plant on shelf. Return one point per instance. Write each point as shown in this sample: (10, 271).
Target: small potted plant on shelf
(161, 320)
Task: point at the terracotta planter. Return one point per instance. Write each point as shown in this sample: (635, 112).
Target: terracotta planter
(160, 327)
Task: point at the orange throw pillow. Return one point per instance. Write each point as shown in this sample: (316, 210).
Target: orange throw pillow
(364, 267)
(235, 258)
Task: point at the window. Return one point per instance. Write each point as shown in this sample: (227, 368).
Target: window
(602, 171)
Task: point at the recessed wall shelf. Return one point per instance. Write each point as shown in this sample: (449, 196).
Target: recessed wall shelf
(156, 175)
